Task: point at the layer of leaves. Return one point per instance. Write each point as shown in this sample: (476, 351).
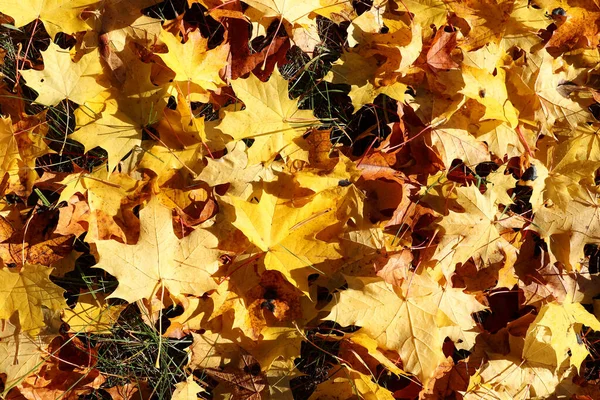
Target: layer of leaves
(299, 199)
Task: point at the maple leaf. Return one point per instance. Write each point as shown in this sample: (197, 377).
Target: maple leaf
(473, 233)
(574, 153)
(180, 128)
(21, 354)
(508, 377)
(490, 90)
(244, 59)
(115, 120)
(568, 229)
(399, 47)
(285, 235)
(357, 343)
(8, 147)
(233, 169)
(278, 344)
(196, 68)
(120, 21)
(407, 220)
(27, 291)
(270, 118)
(273, 293)
(452, 140)
(187, 390)
(536, 364)
(29, 134)
(35, 246)
(64, 79)
(407, 325)
(211, 350)
(129, 390)
(579, 23)
(347, 383)
(500, 138)
(106, 216)
(196, 313)
(450, 378)
(160, 260)
(426, 12)
(553, 337)
(552, 88)
(438, 56)
(317, 180)
(246, 381)
(280, 377)
(167, 163)
(358, 71)
(57, 15)
(457, 306)
(92, 314)
(291, 12)
(486, 20)
(62, 383)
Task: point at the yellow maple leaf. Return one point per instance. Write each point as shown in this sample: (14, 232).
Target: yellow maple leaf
(187, 390)
(105, 199)
(122, 20)
(359, 72)
(196, 67)
(348, 383)
(568, 227)
(490, 90)
(233, 169)
(291, 11)
(281, 377)
(211, 350)
(549, 354)
(21, 354)
(277, 343)
(472, 233)
(408, 325)
(457, 306)
(167, 162)
(57, 15)
(9, 150)
(453, 140)
(581, 23)
(115, 120)
(180, 127)
(64, 79)
(286, 235)
(317, 180)
(508, 377)
(427, 12)
(270, 118)
(558, 112)
(553, 337)
(159, 259)
(92, 314)
(26, 291)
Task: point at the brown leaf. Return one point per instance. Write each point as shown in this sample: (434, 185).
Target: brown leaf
(45, 253)
(73, 218)
(449, 379)
(244, 61)
(246, 381)
(438, 55)
(320, 149)
(130, 391)
(6, 229)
